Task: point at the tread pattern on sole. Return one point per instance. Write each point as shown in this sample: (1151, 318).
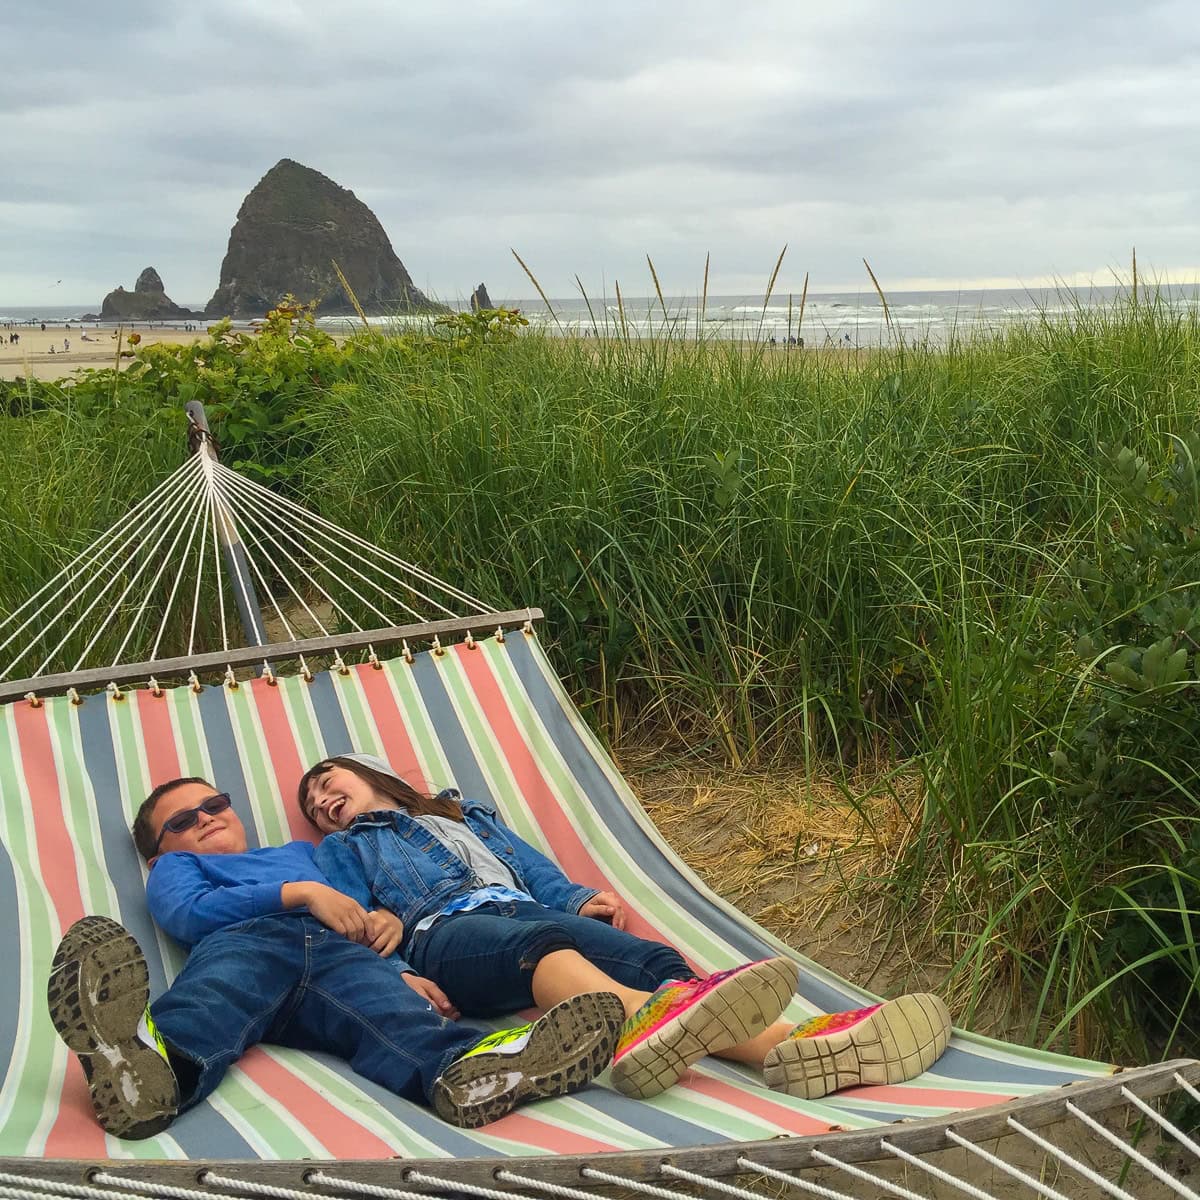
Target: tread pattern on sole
(97, 992)
(568, 1047)
(736, 1010)
(898, 1041)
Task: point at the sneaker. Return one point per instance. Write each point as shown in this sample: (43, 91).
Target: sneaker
(684, 1021)
(98, 992)
(562, 1050)
(886, 1043)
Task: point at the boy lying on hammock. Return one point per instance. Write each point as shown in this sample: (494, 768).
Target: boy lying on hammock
(277, 955)
(499, 927)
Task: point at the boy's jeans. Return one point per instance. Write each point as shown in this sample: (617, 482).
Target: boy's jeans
(484, 959)
(288, 979)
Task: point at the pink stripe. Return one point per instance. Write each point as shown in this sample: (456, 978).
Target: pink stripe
(519, 1127)
(536, 791)
(753, 1102)
(75, 1132)
(338, 1132)
(398, 747)
(906, 1097)
(282, 754)
(158, 737)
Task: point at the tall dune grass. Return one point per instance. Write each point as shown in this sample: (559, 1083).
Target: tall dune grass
(762, 555)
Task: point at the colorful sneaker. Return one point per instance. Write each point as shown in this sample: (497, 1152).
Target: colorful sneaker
(685, 1021)
(98, 992)
(565, 1048)
(886, 1043)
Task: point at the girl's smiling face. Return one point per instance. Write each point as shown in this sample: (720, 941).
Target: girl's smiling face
(336, 796)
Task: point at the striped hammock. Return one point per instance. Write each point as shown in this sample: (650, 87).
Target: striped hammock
(487, 716)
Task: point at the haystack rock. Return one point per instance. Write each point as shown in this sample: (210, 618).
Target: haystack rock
(480, 299)
(147, 302)
(291, 229)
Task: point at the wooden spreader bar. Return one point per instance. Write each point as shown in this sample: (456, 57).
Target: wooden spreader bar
(480, 625)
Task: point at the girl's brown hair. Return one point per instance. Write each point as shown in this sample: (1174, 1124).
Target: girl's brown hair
(403, 795)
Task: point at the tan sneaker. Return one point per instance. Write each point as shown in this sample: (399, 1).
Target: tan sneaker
(562, 1050)
(886, 1043)
(98, 992)
(685, 1020)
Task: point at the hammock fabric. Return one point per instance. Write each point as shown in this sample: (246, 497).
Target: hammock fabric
(490, 718)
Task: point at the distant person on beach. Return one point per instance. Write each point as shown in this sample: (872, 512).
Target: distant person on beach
(43, 326)
(51, 347)
(66, 345)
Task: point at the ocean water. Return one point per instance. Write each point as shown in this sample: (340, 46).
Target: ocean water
(841, 318)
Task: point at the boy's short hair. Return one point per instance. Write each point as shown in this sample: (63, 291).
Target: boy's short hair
(144, 834)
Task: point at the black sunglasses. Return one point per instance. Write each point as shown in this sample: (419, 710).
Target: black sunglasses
(181, 821)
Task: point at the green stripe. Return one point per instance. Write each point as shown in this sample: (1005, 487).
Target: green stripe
(256, 767)
(79, 810)
(352, 700)
(432, 758)
(297, 701)
(33, 1060)
(260, 1121)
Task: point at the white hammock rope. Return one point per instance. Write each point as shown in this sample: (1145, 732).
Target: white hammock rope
(175, 509)
(251, 520)
(169, 559)
(1162, 1121)
(937, 1172)
(324, 543)
(1050, 1148)
(97, 548)
(303, 514)
(353, 1186)
(999, 1163)
(1126, 1149)
(132, 532)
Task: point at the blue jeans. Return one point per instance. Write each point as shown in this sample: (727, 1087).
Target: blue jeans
(289, 980)
(484, 959)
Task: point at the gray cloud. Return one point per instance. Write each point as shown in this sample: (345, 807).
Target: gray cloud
(1001, 141)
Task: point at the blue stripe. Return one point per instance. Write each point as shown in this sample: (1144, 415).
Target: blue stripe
(464, 767)
(10, 981)
(335, 734)
(119, 856)
(231, 777)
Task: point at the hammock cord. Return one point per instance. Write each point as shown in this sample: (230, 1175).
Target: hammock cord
(312, 577)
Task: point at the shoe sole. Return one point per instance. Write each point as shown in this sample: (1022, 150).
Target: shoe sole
(895, 1043)
(97, 992)
(567, 1048)
(736, 1010)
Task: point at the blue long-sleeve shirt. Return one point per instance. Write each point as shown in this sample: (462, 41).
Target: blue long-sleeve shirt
(193, 895)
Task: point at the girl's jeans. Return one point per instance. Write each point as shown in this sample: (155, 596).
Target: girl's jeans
(484, 959)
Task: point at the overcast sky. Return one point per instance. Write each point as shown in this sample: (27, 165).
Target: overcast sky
(950, 142)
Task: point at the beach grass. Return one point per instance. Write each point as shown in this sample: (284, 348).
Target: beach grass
(823, 559)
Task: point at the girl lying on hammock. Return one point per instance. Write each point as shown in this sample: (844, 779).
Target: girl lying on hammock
(498, 927)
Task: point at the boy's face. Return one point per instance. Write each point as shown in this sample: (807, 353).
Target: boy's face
(220, 833)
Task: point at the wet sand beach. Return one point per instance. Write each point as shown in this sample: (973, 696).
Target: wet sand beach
(31, 357)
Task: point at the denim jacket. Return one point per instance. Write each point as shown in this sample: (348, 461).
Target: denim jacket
(384, 859)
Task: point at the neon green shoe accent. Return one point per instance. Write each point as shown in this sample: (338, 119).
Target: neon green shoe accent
(148, 1034)
(503, 1041)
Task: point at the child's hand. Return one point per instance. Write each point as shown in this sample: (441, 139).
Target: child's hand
(332, 908)
(385, 931)
(605, 906)
(432, 993)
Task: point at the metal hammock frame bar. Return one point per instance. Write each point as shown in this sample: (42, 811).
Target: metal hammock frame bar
(834, 1164)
